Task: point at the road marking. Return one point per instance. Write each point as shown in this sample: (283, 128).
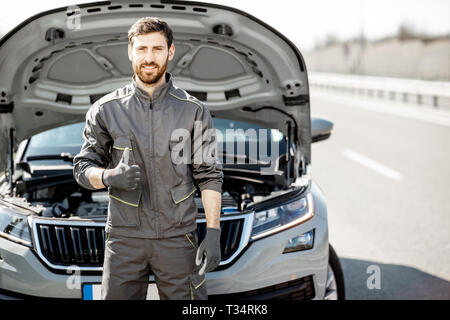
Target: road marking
(372, 164)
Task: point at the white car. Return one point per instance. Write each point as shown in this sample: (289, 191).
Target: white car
(55, 64)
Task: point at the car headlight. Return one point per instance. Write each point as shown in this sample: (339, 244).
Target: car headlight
(14, 227)
(281, 218)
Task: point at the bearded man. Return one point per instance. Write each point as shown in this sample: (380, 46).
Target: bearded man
(128, 147)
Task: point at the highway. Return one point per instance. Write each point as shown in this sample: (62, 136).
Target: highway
(385, 172)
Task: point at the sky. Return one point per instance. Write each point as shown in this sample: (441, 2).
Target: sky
(304, 22)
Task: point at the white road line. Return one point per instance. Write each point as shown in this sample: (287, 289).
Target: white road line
(372, 164)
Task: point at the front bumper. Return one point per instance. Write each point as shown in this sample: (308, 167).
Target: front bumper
(22, 272)
(261, 265)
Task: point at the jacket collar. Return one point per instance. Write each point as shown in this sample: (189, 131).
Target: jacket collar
(159, 92)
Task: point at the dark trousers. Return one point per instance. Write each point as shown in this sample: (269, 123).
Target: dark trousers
(128, 262)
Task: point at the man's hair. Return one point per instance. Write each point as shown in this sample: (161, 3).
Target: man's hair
(148, 25)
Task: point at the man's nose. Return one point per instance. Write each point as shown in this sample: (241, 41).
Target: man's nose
(149, 57)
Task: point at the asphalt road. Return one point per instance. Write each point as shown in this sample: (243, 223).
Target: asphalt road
(386, 177)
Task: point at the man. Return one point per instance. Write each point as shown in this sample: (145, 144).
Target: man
(129, 145)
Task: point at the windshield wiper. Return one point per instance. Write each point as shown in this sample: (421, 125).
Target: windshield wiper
(66, 156)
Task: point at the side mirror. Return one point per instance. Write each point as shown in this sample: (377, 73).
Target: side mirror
(320, 129)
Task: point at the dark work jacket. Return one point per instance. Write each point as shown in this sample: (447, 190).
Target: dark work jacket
(163, 205)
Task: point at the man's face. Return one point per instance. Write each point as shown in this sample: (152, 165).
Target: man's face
(149, 56)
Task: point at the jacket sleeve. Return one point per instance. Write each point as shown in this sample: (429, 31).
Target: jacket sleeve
(95, 149)
(206, 168)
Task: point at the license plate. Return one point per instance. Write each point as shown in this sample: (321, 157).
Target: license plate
(92, 291)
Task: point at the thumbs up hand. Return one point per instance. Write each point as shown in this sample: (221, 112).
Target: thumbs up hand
(123, 176)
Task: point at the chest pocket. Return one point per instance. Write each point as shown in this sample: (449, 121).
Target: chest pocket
(125, 203)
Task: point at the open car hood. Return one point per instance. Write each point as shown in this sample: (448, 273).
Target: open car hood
(242, 68)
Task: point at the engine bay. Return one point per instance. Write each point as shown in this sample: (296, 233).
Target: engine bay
(51, 191)
(60, 196)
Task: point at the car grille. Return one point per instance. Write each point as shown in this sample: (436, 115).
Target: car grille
(230, 236)
(298, 289)
(84, 246)
(67, 245)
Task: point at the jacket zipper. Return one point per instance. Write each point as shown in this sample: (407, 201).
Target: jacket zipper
(152, 168)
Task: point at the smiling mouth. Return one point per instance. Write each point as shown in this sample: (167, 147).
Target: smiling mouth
(148, 68)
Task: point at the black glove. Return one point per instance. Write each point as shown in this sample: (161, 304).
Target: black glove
(123, 176)
(210, 247)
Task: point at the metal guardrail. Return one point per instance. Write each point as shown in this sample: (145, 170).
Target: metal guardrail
(435, 93)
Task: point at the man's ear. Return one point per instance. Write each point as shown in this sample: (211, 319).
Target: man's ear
(171, 52)
(129, 51)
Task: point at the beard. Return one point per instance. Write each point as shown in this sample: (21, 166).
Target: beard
(154, 76)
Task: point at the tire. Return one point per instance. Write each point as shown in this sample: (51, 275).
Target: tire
(335, 287)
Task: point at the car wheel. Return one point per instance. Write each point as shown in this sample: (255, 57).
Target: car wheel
(335, 288)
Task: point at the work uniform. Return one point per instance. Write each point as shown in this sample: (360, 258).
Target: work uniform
(151, 227)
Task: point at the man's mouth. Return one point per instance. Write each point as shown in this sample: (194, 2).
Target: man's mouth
(149, 68)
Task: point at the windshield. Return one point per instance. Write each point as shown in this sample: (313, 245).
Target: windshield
(69, 139)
